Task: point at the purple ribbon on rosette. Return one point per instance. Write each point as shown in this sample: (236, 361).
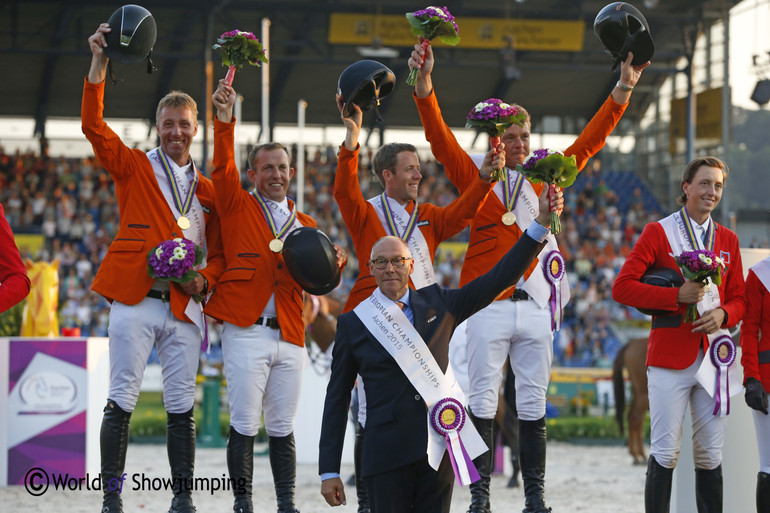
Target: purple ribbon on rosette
(722, 352)
(448, 417)
(555, 268)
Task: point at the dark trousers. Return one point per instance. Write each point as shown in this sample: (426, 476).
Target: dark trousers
(412, 488)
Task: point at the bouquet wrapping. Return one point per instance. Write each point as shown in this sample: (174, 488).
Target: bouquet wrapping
(430, 23)
(552, 168)
(175, 260)
(239, 48)
(700, 265)
(494, 116)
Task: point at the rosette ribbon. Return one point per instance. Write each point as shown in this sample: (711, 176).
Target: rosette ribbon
(722, 352)
(554, 268)
(447, 418)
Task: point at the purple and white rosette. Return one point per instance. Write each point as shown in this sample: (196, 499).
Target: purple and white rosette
(555, 268)
(447, 418)
(723, 353)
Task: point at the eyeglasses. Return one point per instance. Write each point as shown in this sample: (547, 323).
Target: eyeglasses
(396, 262)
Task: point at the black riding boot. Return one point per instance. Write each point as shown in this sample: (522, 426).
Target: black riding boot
(361, 492)
(113, 440)
(657, 487)
(514, 481)
(763, 493)
(240, 465)
(180, 444)
(483, 463)
(283, 462)
(708, 490)
(532, 458)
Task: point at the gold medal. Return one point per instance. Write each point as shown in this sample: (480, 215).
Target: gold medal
(509, 218)
(276, 245)
(183, 222)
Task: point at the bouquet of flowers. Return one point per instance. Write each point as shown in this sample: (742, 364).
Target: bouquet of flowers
(700, 265)
(239, 48)
(494, 116)
(429, 23)
(552, 168)
(175, 260)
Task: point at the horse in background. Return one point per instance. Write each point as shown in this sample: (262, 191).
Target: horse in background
(40, 316)
(632, 356)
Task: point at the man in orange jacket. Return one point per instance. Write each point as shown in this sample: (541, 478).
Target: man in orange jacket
(520, 323)
(161, 195)
(260, 305)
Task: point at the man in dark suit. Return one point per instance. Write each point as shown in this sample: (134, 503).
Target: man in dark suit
(395, 460)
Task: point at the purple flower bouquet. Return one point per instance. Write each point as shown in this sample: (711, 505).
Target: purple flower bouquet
(494, 116)
(699, 265)
(552, 168)
(175, 260)
(429, 23)
(239, 48)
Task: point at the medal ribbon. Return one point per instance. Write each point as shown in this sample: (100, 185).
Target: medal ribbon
(278, 234)
(693, 238)
(511, 194)
(554, 268)
(182, 206)
(410, 226)
(723, 344)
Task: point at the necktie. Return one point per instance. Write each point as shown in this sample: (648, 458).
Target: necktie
(401, 304)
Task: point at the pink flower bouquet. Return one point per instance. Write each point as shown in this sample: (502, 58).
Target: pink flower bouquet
(700, 265)
(429, 23)
(239, 48)
(175, 260)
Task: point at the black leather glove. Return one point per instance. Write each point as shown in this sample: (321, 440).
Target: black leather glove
(756, 397)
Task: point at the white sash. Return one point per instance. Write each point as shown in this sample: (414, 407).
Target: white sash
(526, 210)
(281, 214)
(423, 274)
(707, 375)
(392, 329)
(197, 230)
(762, 270)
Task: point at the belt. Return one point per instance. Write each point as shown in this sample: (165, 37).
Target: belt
(163, 295)
(270, 322)
(519, 295)
(764, 357)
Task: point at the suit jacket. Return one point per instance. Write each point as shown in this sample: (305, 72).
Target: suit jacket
(14, 282)
(396, 431)
(253, 272)
(672, 344)
(146, 220)
(436, 223)
(756, 322)
(490, 238)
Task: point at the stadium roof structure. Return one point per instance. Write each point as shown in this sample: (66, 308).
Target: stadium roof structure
(564, 70)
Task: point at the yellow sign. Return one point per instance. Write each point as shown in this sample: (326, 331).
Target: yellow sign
(29, 243)
(475, 33)
(708, 117)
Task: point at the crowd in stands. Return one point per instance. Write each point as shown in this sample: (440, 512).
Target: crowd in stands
(71, 204)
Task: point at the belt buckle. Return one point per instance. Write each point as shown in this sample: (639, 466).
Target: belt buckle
(165, 296)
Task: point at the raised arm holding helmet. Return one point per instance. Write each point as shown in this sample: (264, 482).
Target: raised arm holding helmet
(260, 304)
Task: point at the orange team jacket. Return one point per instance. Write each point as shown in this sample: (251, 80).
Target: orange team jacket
(755, 331)
(436, 223)
(490, 238)
(672, 344)
(253, 272)
(146, 220)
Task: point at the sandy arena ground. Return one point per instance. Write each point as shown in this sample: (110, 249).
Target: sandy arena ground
(596, 479)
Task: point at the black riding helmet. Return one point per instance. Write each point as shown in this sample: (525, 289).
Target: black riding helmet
(132, 37)
(661, 277)
(311, 260)
(365, 83)
(622, 28)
